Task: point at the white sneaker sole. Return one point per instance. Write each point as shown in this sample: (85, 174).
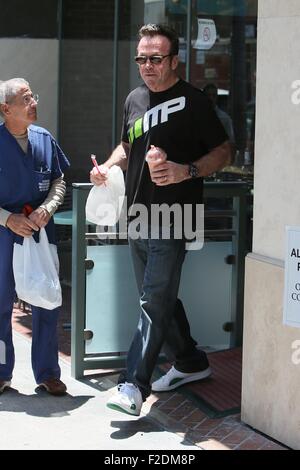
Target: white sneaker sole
(193, 378)
(115, 407)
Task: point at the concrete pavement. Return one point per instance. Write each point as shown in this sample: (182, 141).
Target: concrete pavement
(32, 419)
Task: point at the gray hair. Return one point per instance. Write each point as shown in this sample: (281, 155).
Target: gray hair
(10, 88)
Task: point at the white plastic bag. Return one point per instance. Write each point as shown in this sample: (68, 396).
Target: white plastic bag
(104, 202)
(36, 267)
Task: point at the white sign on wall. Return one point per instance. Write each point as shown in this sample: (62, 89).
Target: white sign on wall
(291, 306)
(207, 34)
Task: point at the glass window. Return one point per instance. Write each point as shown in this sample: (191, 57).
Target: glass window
(86, 83)
(137, 13)
(30, 19)
(217, 47)
(221, 52)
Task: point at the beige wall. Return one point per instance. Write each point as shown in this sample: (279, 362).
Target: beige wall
(36, 60)
(277, 162)
(271, 381)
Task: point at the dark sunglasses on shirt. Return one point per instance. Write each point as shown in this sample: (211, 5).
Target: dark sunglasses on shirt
(154, 59)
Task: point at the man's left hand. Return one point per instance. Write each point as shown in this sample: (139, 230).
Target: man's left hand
(40, 217)
(169, 173)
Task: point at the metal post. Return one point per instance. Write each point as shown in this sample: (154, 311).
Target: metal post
(59, 77)
(188, 41)
(78, 283)
(115, 75)
(238, 271)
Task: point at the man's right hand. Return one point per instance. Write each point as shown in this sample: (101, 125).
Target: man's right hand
(21, 225)
(99, 178)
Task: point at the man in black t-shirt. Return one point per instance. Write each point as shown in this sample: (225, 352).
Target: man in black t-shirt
(179, 122)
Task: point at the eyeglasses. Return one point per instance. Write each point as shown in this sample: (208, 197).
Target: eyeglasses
(154, 59)
(28, 99)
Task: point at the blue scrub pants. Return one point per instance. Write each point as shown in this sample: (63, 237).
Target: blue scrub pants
(163, 322)
(44, 350)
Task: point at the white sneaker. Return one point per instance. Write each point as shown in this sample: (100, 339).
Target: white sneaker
(4, 384)
(128, 399)
(174, 378)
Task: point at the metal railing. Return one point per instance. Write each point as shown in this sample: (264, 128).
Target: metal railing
(236, 191)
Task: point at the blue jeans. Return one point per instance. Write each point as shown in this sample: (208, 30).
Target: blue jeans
(157, 265)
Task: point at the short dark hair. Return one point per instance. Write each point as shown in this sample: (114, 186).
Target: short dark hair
(161, 30)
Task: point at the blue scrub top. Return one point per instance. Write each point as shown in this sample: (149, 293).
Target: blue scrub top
(25, 178)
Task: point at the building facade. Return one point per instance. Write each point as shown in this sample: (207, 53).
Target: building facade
(79, 56)
(271, 365)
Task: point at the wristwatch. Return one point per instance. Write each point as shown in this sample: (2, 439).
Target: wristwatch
(193, 171)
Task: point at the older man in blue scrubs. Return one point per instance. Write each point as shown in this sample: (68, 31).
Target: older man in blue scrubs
(31, 175)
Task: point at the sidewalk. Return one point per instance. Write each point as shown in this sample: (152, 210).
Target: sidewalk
(81, 420)
(32, 419)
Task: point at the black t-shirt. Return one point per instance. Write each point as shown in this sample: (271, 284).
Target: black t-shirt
(180, 120)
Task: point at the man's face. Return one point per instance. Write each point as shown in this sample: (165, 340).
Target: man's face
(157, 77)
(23, 108)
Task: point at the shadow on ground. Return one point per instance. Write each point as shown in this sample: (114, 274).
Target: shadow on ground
(41, 404)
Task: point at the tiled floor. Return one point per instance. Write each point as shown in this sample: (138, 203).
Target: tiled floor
(174, 411)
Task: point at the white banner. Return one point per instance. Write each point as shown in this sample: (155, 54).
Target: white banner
(291, 306)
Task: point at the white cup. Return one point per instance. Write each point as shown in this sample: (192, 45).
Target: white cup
(155, 156)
